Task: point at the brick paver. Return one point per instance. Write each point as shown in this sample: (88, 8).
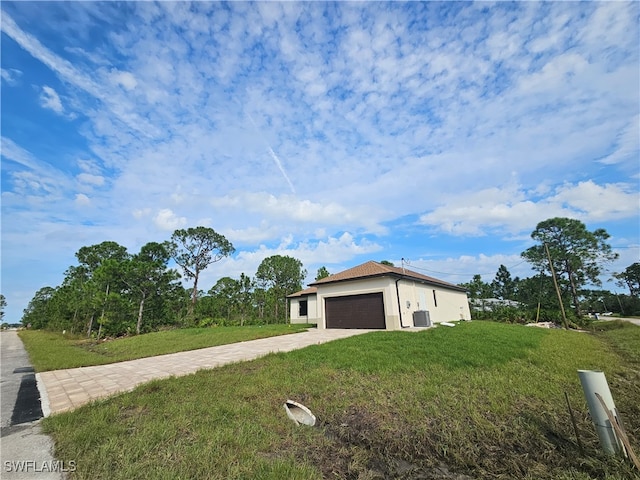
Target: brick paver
(63, 390)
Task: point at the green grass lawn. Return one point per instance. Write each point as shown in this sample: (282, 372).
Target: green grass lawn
(54, 351)
(482, 399)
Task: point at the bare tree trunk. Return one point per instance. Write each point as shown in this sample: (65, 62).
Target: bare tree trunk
(73, 321)
(140, 311)
(194, 295)
(104, 304)
(90, 326)
(276, 315)
(555, 284)
(574, 294)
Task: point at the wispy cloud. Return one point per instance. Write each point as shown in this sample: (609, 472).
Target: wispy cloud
(289, 208)
(510, 209)
(69, 73)
(281, 168)
(82, 200)
(17, 154)
(124, 79)
(61, 66)
(31, 173)
(87, 178)
(11, 76)
(50, 99)
(327, 251)
(627, 144)
(273, 155)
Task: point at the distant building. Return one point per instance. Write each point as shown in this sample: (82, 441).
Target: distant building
(489, 304)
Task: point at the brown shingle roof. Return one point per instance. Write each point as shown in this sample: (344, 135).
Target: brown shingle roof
(302, 293)
(375, 269)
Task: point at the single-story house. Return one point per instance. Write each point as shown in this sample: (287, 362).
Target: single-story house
(378, 296)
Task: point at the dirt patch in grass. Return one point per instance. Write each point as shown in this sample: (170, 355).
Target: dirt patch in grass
(354, 445)
(361, 444)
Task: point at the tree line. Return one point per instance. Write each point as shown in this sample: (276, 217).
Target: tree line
(111, 292)
(577, 258)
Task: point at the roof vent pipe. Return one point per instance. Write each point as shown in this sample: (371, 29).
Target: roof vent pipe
(595, 383)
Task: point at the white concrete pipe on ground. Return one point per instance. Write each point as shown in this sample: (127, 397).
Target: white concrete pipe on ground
(595, 382)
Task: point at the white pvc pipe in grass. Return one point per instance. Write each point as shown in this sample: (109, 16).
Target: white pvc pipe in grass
(595, 382)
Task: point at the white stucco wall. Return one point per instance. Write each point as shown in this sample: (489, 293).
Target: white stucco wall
(312, 310)
(450, 305)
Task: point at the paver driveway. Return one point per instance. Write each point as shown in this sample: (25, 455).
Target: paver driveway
(63, 390)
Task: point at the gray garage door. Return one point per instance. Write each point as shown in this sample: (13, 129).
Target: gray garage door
(355, 311)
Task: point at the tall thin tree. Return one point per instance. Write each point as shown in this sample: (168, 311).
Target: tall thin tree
(194, 249)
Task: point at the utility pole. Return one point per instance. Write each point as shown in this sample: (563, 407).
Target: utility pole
(555, 284)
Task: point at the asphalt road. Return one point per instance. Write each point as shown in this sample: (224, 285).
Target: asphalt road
(25, 451)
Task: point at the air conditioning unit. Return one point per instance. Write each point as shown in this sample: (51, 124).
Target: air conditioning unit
(421, 318)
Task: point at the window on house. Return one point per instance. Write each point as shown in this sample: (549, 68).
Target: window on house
(435, 300)
(303, 308)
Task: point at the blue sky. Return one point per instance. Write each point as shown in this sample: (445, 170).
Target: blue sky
(335, 133)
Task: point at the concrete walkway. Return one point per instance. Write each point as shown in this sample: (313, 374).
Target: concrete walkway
(62, 390)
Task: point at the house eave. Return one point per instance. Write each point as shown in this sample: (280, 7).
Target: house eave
(394, 276)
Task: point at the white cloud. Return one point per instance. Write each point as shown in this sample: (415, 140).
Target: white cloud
(39, 175)
(11, 76)
(124, 79)
(68, 72)
(627, 144)
(50, 99)
(461, 269)
(89, 166)
(96, 59)
(331, 250)
(599, 202)
(512, 209)
(82, 200)
(141, 213)
(294, 209)
(169, 221)
(334, 250)
(252, 235)
(555, 76)
(87, 178)
(12, 151)
(612, 23)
